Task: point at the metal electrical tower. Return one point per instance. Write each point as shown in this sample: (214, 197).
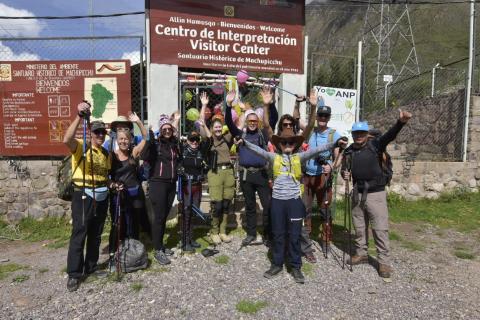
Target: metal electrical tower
(388, 30)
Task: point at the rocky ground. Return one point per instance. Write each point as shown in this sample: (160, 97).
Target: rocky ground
(430, 282)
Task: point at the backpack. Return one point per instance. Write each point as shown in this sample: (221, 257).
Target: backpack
(64, 178)
(65, 174)
(385, 161)
(131, 256)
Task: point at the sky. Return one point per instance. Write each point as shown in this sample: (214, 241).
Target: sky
(70, 49)
(33, 50)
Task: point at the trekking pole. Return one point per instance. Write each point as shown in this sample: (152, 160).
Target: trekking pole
(91, 168)
(327, 218)
(348, 213)
(118, 225)
(84, 158)
(180, 209)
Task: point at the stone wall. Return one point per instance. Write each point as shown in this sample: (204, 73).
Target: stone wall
(28, 188)
(434, 133)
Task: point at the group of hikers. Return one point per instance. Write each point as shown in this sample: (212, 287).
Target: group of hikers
(286, 169)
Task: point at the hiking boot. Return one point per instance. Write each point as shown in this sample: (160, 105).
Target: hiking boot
(298, 276)
(215, 239)
(188, 249)
(310, 257)
(248, 240)
(354, 260)
(73, 284)
(161, 257)
(225, 238)
(168, 252)
(272, 272)
(195, 244)
(384, 270)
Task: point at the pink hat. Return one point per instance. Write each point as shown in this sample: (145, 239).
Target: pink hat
(164, 119)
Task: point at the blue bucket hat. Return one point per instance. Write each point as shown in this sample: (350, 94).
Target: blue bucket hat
(360, 126)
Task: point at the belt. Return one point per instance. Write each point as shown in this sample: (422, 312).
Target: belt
(80, 188)
(253, 169)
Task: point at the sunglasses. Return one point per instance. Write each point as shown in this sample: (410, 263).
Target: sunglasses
(252, 121)
(123, 129)
(196, 139)
(287, 143)
(100, 132)
(287, 124)
(167, 130)
(323, 115)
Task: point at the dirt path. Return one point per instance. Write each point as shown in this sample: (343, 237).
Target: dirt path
(430, 282)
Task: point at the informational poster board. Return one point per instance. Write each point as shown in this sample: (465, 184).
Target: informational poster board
(257, 35)
(39, 101)
(344, 107)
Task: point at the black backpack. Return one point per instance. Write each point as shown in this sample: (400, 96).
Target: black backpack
(385, 161)
(131, 256)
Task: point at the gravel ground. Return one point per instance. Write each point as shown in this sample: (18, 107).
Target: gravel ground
(428, 284)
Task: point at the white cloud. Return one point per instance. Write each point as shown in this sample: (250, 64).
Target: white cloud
(19, 28)
(133, 56)
(7, 54)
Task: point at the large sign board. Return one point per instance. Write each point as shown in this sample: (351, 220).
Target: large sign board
(257, 35)
(344, 107)
(39, 101)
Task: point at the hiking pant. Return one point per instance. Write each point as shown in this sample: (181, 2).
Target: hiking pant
(221, 187)
(85, 228)
(128, 220)
(374, 211)
(256, 182)
(305, 242)
(287, 219)
(162, 194)
(194, 199)
(315, 186)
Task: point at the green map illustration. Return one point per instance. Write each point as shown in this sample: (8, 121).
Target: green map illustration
(100, 96)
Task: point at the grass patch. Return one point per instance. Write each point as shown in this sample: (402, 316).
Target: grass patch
(64, 270)
(307, 269)
(392, 235)
(6, 269)
(136, 286)
(412, 245)
(250, 307)
(463, 254)
(43, 270)
(457, 210)
(21, 278)
(29, 229)
(222, 259)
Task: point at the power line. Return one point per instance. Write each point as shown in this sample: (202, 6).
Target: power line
(409, 2)
(76, 17)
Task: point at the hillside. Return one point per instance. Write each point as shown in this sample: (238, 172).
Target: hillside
(440, 31)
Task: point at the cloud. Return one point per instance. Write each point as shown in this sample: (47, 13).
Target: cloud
(19, 28)
(133, 56)
(7, 54)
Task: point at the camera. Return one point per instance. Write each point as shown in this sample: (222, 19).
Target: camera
(321, 160)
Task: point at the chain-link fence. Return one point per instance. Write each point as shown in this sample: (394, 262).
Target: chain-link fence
(331, 70)
(84, 48)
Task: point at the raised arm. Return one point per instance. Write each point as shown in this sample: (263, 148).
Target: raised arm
(313, 152)
(204, 131)
(176, 122)
(228, 115)
(311, 117)
(392, 133)
(269, 156)
(267, 98)
(137, 150)
(69, 138)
